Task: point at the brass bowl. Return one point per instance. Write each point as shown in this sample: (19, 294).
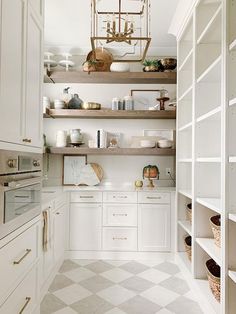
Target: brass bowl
(91, 106)
(169, 64)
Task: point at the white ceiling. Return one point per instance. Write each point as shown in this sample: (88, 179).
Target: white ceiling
(67, 26)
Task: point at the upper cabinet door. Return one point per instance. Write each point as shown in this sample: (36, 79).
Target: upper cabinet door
(12, 30)
(38, 7)
(34, 80)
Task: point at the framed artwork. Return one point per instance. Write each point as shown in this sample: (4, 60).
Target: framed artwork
(72, 168)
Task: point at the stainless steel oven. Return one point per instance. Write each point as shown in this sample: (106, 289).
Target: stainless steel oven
(20, 189)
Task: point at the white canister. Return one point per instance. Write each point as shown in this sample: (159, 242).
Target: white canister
(46, 103)
(61, 138)
(59, 104)
(75, 136)
(128, 103)
(120, 67)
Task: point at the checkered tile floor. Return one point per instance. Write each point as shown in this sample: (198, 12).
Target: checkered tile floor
(118, 287)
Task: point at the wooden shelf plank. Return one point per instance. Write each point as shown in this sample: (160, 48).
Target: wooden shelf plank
(212, 73)
(113, 77)
(113, 151)
(208, 245)
(111, 114)
(232, 101)
(210, 115)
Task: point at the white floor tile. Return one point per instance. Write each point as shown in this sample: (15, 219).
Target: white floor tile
(116, 295)
(160, 296)
(79, 274)
(115, 311)
(66, 310)
(116, 275)
(72, 294)
(154, 275)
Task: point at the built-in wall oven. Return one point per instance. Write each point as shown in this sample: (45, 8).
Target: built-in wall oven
(20, 189)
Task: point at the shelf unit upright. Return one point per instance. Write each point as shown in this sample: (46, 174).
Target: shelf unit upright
(231, 155)
(201, 142)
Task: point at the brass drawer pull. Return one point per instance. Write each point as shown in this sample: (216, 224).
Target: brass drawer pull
(154, 198)
(119, 238)
(86, 196)
(27, 301)
(121, 215)
(26, 140)
(57, 213)
(114, 196)
(23, 257)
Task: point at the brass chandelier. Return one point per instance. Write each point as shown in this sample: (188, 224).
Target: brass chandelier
(123, 28)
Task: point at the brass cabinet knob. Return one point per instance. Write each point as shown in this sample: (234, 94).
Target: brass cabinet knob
(26, 140)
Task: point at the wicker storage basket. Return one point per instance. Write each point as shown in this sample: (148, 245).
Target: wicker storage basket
(215, 226)
(188, 247)
(189, 212)
(213, 274)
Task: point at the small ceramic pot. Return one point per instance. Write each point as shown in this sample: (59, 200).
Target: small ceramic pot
(120, 67)
(138, 183)
(75, 136)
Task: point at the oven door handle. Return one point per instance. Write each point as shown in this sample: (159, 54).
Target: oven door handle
(21, 183)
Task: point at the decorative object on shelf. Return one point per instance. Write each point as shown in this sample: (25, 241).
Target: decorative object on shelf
(163, 98)
(59, 104)
(101, 138)
(169, 135)
(128, 103)
(188, 247)
(189, 212)
(90, 66)
(126, 29)
(48, 62)
(75, 136)
(114, 140)
(164, 143)
(103, 59)
(91, 106)
(152, 66)
(75, 102)
(169, 64)
(138, 183)
(61, 138)
(215, 222)
(92, 144)
(120, 67)
(66, 97)
(213, 275)
(116, 104)
(147, 143)
(66, 63)
(46, 103)
(151, 172)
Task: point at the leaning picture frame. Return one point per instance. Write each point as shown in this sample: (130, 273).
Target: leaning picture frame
(72, 165)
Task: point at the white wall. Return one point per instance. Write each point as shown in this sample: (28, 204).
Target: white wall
(116, 168)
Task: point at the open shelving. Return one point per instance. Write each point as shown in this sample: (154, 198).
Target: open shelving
(200, 142)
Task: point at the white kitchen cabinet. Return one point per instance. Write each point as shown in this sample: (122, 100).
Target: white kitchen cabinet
(21, 38)
(120, 239)
(34, 80)
(59, 232)
(85, 226)
(120, 215)
(12, 70)
(38, 7)
(154, 227)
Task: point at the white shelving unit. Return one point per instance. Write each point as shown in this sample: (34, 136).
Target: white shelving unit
(201, 141)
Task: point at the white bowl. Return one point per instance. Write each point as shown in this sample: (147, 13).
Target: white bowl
(147, 143)
(164, 143)
(120, 67)
(59, 104)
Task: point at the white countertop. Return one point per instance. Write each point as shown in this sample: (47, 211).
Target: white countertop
(52, 192)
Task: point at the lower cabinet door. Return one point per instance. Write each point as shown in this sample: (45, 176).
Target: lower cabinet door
(154, 227)
(59, 221)
(85, 226)
(24, 297)
(120, 239)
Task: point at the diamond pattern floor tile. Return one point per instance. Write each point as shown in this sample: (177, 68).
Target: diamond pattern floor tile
(139, 305)
(119, 287)
(92, 304)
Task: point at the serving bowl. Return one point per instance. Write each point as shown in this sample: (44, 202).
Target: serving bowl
(147, 144)
(164, 144)
(169, 64)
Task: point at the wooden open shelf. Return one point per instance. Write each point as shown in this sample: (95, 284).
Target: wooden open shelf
(110, 114)
(113, 151)
(111, 77)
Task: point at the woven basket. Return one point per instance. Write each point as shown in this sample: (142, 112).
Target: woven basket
(213, 274)
(216, 229)
(189, 212)
(188, 247)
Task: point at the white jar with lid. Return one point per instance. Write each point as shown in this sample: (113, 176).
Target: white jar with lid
(128, 103)
(61, 138)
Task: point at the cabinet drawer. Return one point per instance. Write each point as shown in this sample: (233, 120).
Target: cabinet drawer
(153, 197)
(120, 215)
(24, 297)
(16, 258)
(120, 239)
(120, 197)
(86, 197)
